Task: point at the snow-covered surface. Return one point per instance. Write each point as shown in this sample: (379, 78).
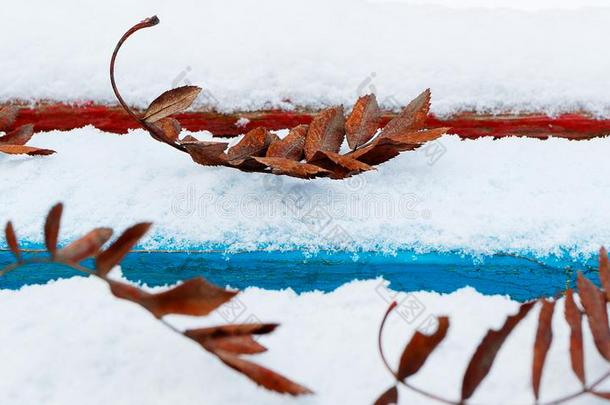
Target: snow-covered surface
(484, 196)
(522, 55)
(105, 351)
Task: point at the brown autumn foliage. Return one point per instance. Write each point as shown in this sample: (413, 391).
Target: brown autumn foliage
(14, 142)
(308, 151)
(594, 306)
(195, 297)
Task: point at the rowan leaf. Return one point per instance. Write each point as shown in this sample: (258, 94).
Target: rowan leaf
(291, 168)
(11, 240)
(326, 132)
(254, 143)
(85, 247)
(388, 397)
(374, 154)
(594, 304)
(189, 139)
(51, 228)
(19, 136)
(413, 116)
(341, 166)
(243, 344)
(171, 102)
(544, 337)
(291, 146)
(110, 257)
(363, 121)
(574, 319)
(486, 352)
(194, 297)
(604, 271)
(25, 150)
(411, 140)
(8, 115)
(207, 153)
(262, 376)
(419, 348)
(170, 127)
(382, 149)
(231, 330)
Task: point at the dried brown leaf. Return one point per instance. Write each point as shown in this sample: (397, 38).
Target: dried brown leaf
(341, 166)
(385, 148)
(291, 146)
(363, 121)
(411, 140)
(194, 297)
(263, 376)
(413, 116)
(189, 139)
(170, 127)
(8, 115)
(109, 258)
(19, 136)
(326, 132)
(231, 330)
(85, 247)
(594, 303)
(51, 228)
(207, 153)
(25, 150)
(291, 168)
(375, 154)
(486, 352)
(249, 165)
(419, 348)
(388, 397)
(11, 240)
(544, 337)
(171, 102)
(574, 319)
(605, 395)
(604, 272)
(254, 143)
(243, 344)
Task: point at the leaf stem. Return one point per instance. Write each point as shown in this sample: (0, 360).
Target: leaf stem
(152, 129)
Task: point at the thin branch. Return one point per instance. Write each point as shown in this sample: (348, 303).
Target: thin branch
(586, 390)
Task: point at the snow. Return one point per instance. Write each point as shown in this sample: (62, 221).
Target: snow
(482, 197)
(525, 55)
(105, 350)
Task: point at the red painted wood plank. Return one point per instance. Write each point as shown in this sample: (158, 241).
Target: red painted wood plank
(49, 116)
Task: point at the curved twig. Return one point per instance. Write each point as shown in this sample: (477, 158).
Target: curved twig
(152, 129)
(389, 368)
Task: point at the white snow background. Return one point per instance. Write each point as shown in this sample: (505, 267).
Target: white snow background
(70, 341)
(517, 195)
(524, 55)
